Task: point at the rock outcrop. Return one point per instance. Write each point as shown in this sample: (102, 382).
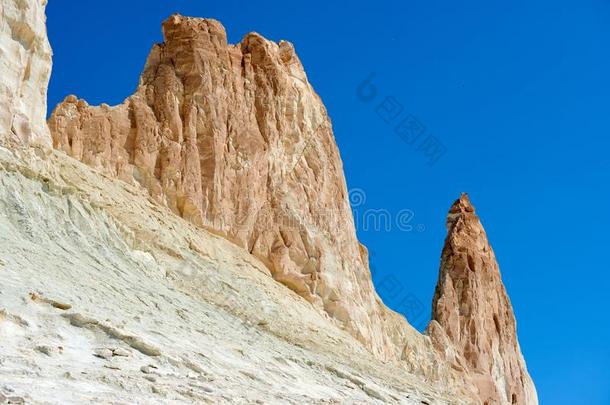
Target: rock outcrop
(473, 324)
(107, 298)
(234, 139)
(25, 66)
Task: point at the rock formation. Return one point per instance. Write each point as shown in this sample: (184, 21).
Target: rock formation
(108, 298)
(473, 323)
(113, 298)
(25, 66)
(233, 138)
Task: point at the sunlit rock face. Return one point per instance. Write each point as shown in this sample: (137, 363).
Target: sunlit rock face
(115, 299)
(25, 68)
(234, 139)
(473, 322)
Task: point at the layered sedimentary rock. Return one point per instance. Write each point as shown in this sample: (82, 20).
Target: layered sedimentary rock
(233, 138)
(25, 68)
(473, 324)
(107, 297)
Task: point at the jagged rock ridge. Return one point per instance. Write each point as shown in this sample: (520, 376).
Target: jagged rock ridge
(472, 317)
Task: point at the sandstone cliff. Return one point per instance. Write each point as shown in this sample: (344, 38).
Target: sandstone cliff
(110, 296)
(472, 318)
(25, 66)
(233, 138)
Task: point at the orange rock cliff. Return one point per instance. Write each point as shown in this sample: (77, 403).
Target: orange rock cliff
(234, 139)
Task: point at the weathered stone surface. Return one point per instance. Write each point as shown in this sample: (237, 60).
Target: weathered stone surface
(102, 353)
(233, 138)
(25, 66)
(219, 322)
(473, 324)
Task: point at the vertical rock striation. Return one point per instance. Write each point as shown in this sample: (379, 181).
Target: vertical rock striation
(473, 324)
(25, 66)
(234, 139)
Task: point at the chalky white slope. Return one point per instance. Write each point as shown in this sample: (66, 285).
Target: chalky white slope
(107, 297)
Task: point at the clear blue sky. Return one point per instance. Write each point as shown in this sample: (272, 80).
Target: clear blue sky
(517, 92)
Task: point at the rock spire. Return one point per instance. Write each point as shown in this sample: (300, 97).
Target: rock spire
(472, 317)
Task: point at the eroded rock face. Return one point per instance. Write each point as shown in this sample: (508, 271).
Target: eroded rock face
(234, 139)
(25, 66)
(473, 324)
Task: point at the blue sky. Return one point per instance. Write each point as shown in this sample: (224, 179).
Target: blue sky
(517, 94)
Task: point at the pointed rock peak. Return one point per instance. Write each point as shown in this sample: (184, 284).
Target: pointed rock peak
(473, 324)
(462, 205)
(461, 208)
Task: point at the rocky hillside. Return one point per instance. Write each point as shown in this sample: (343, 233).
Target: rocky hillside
(205, 251)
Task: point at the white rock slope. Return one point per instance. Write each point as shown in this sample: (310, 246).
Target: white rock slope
(106, 298)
